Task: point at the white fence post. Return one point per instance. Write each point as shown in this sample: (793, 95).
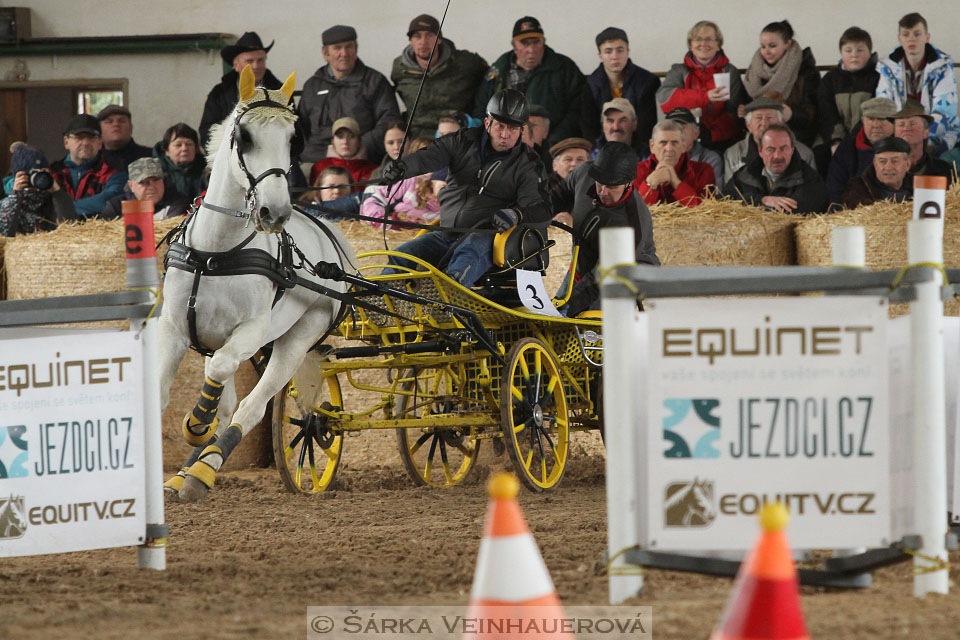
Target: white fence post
(142, 274)
(929, 419)
(620, 360)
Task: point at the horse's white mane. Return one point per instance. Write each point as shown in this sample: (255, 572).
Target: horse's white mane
(255, 115)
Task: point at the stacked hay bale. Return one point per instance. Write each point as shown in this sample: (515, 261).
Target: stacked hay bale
(885, 230)
(723, 233)
(88, 257)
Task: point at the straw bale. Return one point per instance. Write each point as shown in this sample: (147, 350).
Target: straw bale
(723, 233)
(88, 257)
(885, 232)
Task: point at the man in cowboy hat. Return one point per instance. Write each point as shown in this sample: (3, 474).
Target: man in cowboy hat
(604, 196)
(912, 123)
(223, 97)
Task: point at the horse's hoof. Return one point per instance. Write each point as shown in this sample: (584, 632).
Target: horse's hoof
(196, 433)
(174, 484)
(193, 490)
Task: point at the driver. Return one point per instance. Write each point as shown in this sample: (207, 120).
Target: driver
(495, 182)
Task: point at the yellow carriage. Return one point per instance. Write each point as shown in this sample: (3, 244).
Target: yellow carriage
(453, 368)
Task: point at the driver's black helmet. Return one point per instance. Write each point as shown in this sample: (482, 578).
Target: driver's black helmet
(509, 106)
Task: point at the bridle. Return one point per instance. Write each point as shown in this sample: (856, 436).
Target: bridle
(251, 197)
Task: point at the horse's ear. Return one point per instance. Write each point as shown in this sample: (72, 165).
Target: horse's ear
(247, 83)
(288, 85)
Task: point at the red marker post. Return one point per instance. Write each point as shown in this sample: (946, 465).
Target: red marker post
(138, 238)
(142, 274)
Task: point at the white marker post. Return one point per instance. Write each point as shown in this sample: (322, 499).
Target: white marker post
(142, 274)
(925, 239)
(621, 362)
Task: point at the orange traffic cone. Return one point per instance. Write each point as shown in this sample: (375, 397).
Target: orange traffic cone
(765, 602)
(512, 594)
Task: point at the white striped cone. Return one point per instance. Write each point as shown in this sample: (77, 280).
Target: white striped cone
(512, 594)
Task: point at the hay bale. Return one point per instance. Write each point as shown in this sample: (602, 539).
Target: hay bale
(885, 232)
(88, 257)
(723, 233)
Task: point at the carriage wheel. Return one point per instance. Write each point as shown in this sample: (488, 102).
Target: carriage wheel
(533, 412)
(437, 457)
(305, 449)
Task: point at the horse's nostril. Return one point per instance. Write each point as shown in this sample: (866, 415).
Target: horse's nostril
(264, 213)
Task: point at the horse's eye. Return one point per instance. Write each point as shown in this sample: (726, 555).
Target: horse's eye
(245, 137)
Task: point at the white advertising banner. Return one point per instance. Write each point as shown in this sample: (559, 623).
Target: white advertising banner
(764, 399)
(71, 441)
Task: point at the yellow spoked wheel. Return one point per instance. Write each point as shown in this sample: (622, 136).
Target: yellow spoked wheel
(533, 412)
(433, 455)
(307, 451)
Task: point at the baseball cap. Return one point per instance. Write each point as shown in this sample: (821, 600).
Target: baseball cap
(619, 104)
(424, 22)
(82, 123)
(682, 115)
(144, 168)
(346, 123)
(527, 27)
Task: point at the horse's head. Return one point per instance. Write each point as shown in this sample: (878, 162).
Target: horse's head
(261, 131)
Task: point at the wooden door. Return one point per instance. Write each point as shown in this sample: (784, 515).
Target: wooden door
(13, 123)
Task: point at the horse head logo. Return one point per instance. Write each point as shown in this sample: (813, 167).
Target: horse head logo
(13, 518)
(689, 504)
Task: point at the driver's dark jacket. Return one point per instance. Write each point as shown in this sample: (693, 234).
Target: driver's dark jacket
(482, 182)
(631, 212)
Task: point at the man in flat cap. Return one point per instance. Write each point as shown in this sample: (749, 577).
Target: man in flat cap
(83, 173)
(345, 87)
(759, 114)
(452, 80)
(887, 177)
(223, 98)
(544, 76)
(691, 139)
(618, 77)
(116, 131)
(912, 123)
(566, 155)
(855, 153)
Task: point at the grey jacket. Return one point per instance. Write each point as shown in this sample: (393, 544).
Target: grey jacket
(481, 182)
(589, 216)
(364, 95)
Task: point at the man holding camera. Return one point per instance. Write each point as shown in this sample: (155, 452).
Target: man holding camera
(83, 173)
(37, 202)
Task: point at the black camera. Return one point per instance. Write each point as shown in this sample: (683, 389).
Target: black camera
(41, 179)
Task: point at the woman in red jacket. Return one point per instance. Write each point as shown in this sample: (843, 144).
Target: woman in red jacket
(694, 85)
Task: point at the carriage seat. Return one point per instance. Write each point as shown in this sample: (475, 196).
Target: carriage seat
(516, 248)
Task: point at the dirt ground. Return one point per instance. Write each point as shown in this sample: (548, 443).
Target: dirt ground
(250, 559)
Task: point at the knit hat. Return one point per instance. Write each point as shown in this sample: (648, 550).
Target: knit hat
(423, 22)
(25, 158)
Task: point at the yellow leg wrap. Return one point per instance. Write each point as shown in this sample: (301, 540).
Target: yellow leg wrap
(203, 472)
(195, 432)
(176, 482)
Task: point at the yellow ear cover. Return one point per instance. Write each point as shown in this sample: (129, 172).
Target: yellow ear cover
(247, 83)
(288, 85)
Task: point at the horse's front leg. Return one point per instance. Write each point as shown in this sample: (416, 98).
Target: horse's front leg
(213, 449)
(201, 422)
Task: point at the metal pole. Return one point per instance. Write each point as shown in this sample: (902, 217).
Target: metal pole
(621, 370)
(929, 416)
(142, 274)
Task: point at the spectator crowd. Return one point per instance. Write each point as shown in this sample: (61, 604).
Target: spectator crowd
(775, 134)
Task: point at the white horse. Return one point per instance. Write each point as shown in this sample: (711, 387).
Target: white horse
(235, 315)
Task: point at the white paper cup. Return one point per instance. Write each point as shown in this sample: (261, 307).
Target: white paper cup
(722, 81)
